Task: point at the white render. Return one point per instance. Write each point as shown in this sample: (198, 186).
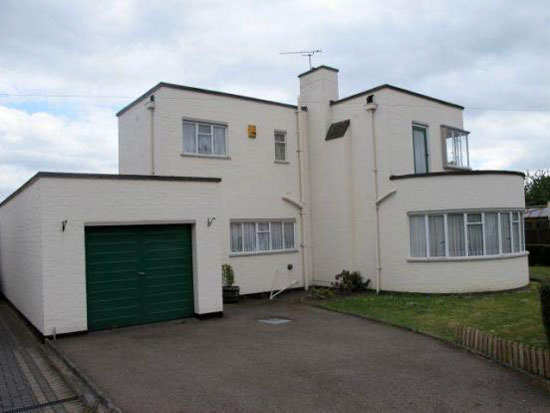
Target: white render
(328, 188)
(52, 261)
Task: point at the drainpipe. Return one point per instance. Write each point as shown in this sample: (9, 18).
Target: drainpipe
(150, 105)
(301, 194)
(371, 107)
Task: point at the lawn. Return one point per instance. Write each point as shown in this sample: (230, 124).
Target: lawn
(539, 273)
(513, 315)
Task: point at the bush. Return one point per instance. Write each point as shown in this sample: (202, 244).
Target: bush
(350, 282)
(228, 275)
(539, 254)
(321, 293)
(545, 307)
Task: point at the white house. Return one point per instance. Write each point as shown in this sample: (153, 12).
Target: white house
(377, 182)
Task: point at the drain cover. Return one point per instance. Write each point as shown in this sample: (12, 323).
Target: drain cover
(274, 320)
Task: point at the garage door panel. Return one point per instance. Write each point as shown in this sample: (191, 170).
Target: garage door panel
(138, 274)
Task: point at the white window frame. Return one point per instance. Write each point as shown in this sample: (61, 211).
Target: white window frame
(257, 251)
(445, 131)
(211, 125)
(283, 142)
(466, 224)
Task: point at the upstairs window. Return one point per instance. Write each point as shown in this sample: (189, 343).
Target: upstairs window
(280, 146)
(204, 139)
(420, 149)
(455, 143)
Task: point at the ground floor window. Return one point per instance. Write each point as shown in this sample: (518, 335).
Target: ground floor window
(261, 236)
(466, 234)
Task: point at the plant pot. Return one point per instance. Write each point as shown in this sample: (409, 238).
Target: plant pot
(231, 294)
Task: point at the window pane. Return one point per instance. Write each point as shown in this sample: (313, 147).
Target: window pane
(263, 226)
(189, 143)
(475, 239)
(455, 233)
(437, 235)
(418, 235)
(420, 151)
(263, 241)
(289, 235)
(205, 144)
(515, 235)
(505, 231)
(280, 151)
(474, 217)
(249, 236)
(280, 137)
(236, 237)
(491, 233)
(276, 235)
(205, 129)
(521, 233)
(219, 140)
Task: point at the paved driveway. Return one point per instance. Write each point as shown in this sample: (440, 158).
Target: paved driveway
(320, 361)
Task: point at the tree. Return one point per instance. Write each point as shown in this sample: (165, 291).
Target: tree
(537, 187)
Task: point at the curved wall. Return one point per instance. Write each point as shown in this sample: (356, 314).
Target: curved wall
(482, 192)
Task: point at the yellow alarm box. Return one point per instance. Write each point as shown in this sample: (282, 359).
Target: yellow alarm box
(252, 131)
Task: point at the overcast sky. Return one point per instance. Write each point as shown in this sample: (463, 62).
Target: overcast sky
(66, 67)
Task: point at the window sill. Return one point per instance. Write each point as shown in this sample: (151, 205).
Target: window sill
(282, 162)
(249, 254)
(193, 155)
(472, 258)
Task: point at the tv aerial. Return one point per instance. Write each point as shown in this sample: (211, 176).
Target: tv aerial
(304, 53)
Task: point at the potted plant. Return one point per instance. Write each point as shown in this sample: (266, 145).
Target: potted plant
(230, 291)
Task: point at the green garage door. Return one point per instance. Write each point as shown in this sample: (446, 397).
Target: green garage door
(138, 274)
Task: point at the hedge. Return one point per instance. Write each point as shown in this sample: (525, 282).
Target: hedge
(539, 254)
(545, 307)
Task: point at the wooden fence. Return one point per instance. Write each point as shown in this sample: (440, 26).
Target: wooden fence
(517, 355)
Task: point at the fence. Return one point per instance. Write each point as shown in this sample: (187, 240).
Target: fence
(517, 355)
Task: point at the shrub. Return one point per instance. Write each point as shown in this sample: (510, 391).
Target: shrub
(350, 282)
(228, 275)
(545, 307)
(321, 293)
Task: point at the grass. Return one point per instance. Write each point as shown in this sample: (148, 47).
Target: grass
(513, 315)
(539, 273)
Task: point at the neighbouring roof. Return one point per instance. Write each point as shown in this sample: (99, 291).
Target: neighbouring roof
(397, 89)
(337, 130)
(74, 175)
(205, 91)
(456, 173)
(537, 212)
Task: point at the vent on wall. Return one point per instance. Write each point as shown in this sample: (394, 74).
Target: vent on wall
(337, 130)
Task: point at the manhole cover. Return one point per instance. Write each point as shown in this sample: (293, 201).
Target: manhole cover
(274, 320)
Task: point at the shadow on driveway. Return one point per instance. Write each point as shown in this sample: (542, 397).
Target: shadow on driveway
(320, 361)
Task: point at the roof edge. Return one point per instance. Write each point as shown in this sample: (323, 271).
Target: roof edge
(457, 173)
(200, 90)
(82, 175)
(314, 69)
(397, 89)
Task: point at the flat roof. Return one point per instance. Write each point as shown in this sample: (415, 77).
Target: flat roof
(77, 175)
(397, 89)
(205, 91)
(457, 173)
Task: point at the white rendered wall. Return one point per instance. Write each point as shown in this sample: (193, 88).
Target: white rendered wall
(83, 202)
(253, 184)
(21, 253)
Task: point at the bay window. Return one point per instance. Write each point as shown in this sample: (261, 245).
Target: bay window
(261, 236)
(455, 144)
(466, 234)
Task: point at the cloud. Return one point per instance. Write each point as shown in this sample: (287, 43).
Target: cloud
(485, 55)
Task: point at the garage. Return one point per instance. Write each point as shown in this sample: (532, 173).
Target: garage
(138, 274)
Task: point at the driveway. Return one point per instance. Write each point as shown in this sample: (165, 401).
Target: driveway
(320, 361)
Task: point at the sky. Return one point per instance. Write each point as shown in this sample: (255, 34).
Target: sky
(66, 67)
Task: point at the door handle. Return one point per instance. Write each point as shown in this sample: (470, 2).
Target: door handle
(141, 273)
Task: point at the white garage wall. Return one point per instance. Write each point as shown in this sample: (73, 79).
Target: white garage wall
(21, 253)
(83, 202)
